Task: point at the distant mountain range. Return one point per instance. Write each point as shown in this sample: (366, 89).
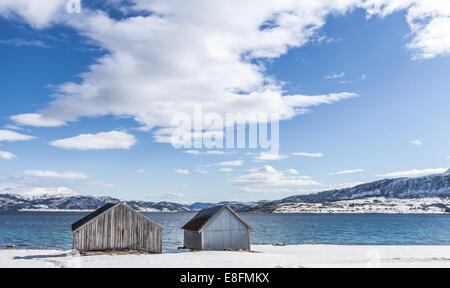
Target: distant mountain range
(391, 195)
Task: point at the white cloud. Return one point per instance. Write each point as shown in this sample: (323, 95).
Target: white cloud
(334, 76)
(270, 157)
(23, 43)
(140, 171)
(343, 172)
(413, 173)
(7, 155)
(268, 179)
(202, 171)
(306, 154)
(12, 127)
(416, 142)
(231, 163)
(36, 120)
(167, 62)
(308, 101)
(209, 152)
(429, 21)
(226, 169)
(193, 152)
(6, 135)
(38, 13)
(215, 152)
(292, 171)
(53, 174)
(182, 171)
(171, 58)
(100, 141)
(448, 157)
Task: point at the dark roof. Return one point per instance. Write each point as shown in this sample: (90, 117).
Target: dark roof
(204, 216)
(91, 216)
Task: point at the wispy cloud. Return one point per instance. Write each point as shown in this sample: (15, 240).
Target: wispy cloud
(416, 142)
(54, 174)
(268, 179)
(100, 141)
(7, 155)
(270, 157)
(209, 152)
(24, 43)
(202, 171)
(182, 171)
(12, 127)
(334, 76)
(226, 169)
(36, 120)
(343, 172)
(414, 172)
(140, 170)
(306, 154)
(231, 163)
(10, 136)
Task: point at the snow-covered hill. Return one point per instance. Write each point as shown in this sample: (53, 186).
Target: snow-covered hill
(401, 188)
(386, 193)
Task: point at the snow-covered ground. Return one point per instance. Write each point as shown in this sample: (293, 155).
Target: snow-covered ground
(371, 205)
(294, 256)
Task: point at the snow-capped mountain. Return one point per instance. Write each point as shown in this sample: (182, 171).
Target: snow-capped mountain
(38, 193)
(427, 194)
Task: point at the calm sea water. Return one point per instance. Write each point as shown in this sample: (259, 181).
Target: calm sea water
(52, 230)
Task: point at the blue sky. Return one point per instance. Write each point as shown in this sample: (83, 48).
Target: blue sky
(151, 66)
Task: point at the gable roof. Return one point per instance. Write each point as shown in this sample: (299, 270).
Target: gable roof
(83, 221)
(206, 216)
(91, 216)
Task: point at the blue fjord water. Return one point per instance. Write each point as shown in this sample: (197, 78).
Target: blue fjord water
(49, 230)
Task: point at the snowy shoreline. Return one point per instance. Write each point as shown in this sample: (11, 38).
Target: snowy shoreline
(262, 256)
(373, 205)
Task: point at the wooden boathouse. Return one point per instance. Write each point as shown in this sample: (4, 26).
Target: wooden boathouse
(117, 227)
(217, 228)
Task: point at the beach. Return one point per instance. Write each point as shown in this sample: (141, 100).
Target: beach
(262, 256)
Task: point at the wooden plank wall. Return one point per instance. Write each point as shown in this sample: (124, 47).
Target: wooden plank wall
(119, 228)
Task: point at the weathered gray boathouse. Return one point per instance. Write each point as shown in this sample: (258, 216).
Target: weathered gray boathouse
(217, 228)
(116, 227)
